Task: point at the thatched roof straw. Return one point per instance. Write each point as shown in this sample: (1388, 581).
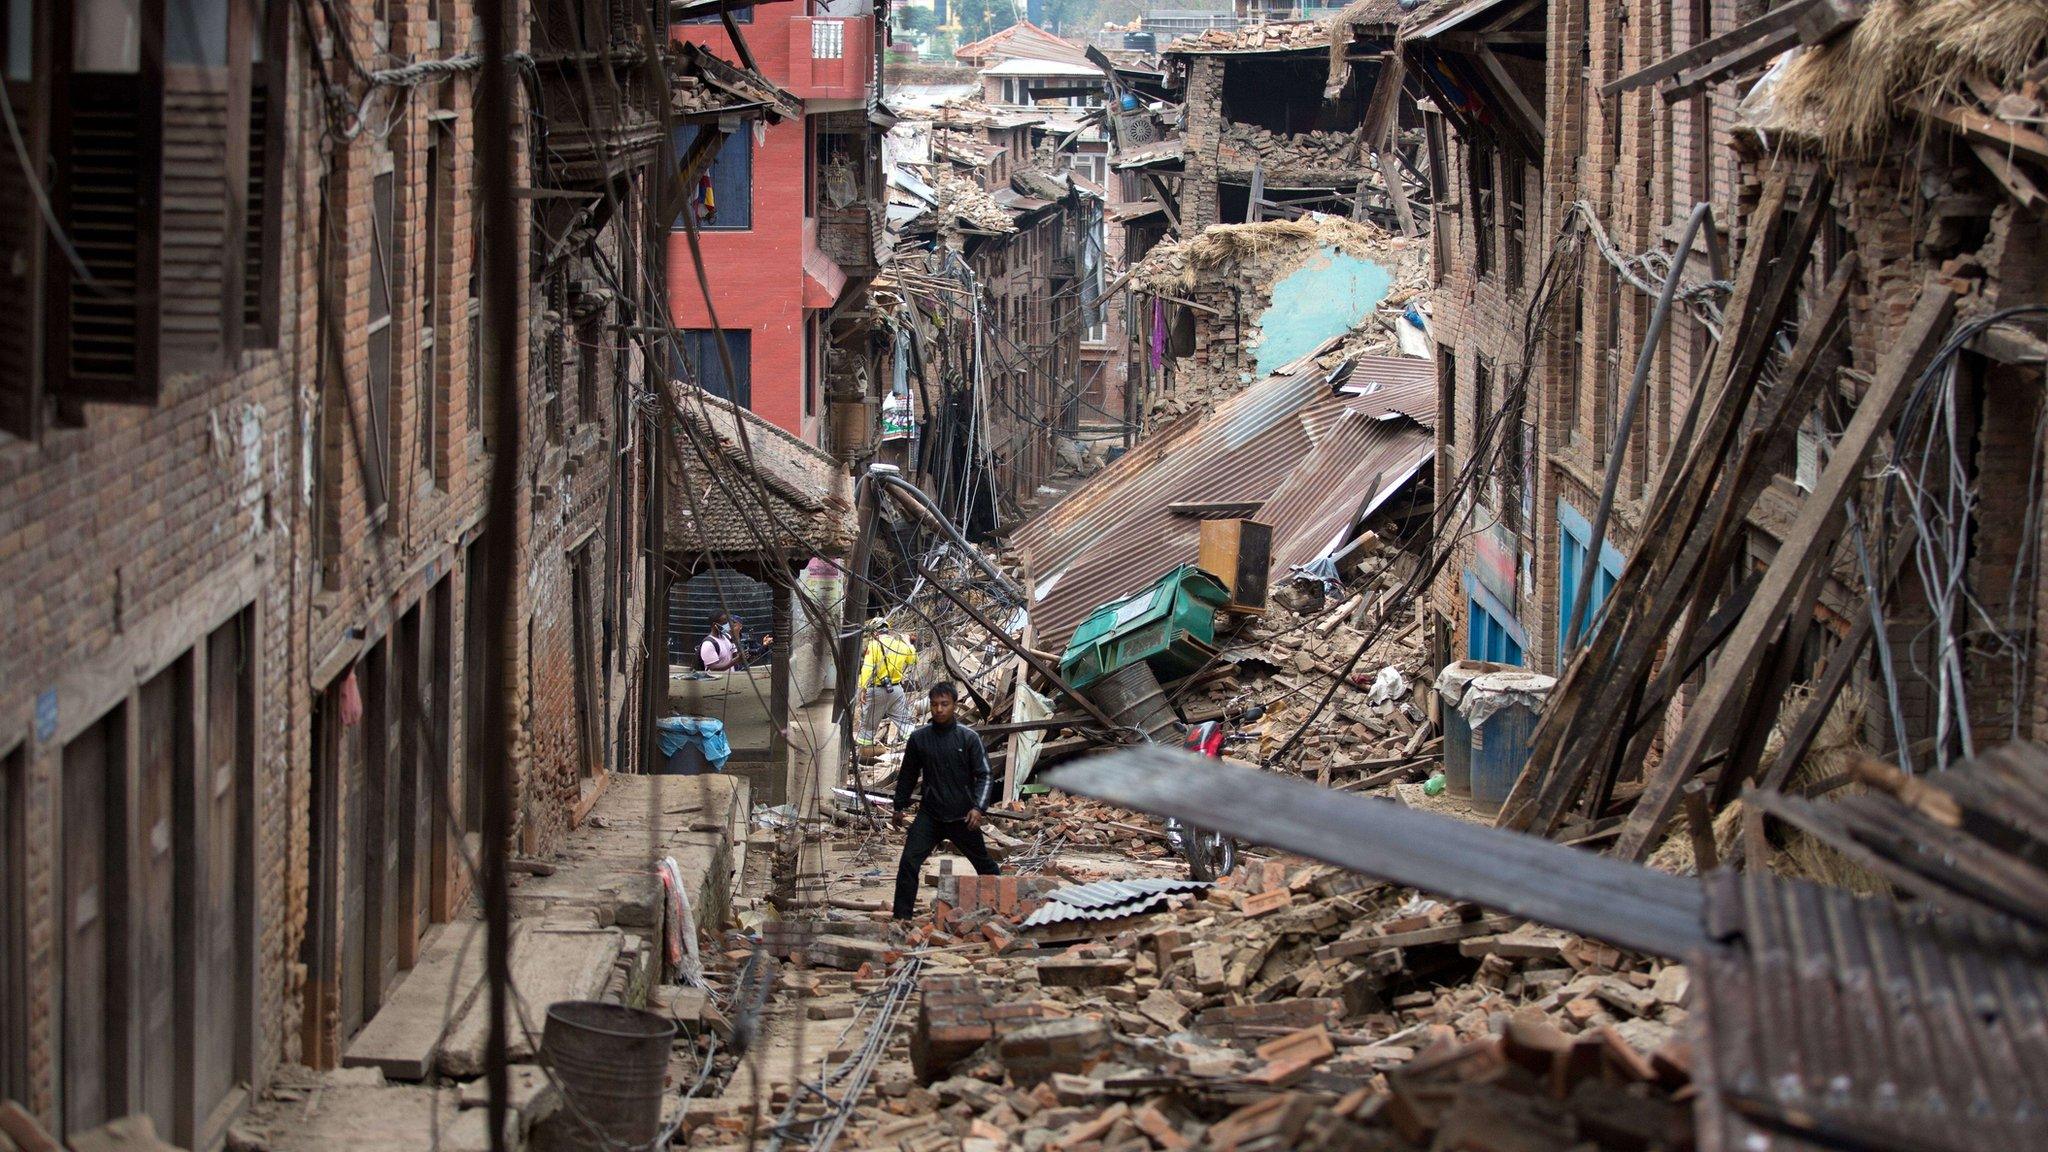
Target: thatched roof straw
(1846, 92)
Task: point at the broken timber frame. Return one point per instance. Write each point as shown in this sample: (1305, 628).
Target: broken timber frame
(1808, 541)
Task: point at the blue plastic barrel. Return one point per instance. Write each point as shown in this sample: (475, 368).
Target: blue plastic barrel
(1450, 688)
(1502, 709)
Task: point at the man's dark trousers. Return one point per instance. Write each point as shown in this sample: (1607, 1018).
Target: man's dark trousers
(925, 834)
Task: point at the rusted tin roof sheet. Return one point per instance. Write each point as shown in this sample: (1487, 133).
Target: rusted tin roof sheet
(1305, 450)
(1881, 1024)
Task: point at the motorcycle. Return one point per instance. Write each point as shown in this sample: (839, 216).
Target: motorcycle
(1210, 855)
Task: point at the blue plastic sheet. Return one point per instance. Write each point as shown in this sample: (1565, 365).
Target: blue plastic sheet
(706, 734)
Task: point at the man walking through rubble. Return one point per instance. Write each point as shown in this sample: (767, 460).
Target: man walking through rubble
(948, 759)
(885, 664)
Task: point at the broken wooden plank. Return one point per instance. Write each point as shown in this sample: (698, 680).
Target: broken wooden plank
(1816, 20)
(1807, 542)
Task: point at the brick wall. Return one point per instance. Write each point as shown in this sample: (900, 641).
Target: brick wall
(1638, 165)
(125, 542)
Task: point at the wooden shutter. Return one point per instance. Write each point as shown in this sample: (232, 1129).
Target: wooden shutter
(20, 279)
(104, 344)
(200, 203)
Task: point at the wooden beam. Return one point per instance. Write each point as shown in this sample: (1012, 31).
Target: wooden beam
(1808, 541)
(1692, 81)
(1783, 17)
(1981, 127)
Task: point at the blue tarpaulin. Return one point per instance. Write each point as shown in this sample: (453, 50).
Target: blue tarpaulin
(706, 734)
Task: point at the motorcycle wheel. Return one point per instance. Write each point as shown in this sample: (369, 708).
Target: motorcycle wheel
(1211, 855)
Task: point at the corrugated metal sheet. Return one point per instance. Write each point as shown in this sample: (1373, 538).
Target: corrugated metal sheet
(1108, 899)
(1870, 1018)
(1291, 442)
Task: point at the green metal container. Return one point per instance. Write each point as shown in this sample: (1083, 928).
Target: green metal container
(1170, 626)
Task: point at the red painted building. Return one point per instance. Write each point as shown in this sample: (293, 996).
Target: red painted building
(786, 230)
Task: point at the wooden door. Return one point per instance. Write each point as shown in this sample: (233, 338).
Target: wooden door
(440, 748)
(161, 729)
(416, 801)
(383, 715)
(476, 619)
(220, 993)
(352, 779)
(93, 854)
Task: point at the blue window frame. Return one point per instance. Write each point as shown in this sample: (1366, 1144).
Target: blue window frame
(724, 196)
(700, 363)
(1492, 633)
(1575, 536)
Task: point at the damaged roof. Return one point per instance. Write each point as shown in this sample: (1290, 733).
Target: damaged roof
(742, 485)
(1820, 1019)
(1312, 455)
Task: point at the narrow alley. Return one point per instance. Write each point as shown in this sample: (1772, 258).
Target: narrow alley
(1062, 576)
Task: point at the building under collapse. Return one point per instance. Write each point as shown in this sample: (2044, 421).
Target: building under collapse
(1735, 328)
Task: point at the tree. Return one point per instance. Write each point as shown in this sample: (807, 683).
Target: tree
(912, 18)
(980, 18)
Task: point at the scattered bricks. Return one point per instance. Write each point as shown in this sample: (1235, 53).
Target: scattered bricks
(1301, 1013)
(787, 939)
(1279, 1073)
(1081, 972)
(1164, 1011)
(1625, 997)
(1072, 1090)
(1006, 895)
(848, 953)
(1312, 1044)
(1274, 1122)
(980, 1129)
(1671, 984)
(1092, 1129)
(1209, 968)
(1162, 1129)
(1166, 942)
(1271, 900)
(1582, 1010)
(999, 936)
(1036, 1051)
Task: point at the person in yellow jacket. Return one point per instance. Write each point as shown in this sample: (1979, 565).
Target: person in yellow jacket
(887, 660)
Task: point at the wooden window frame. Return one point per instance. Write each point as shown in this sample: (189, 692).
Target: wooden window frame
(437, 303)
(1485, 177)
(379, 331)
(263, 276)
(154, 256)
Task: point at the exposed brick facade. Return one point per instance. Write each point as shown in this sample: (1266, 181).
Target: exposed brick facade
(1638, 164)
(242, 499)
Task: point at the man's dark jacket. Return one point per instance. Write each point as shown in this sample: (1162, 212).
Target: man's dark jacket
(953, 766)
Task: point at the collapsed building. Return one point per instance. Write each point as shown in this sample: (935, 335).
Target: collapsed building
(1792, 296)
(1238, 302)
(996, 286)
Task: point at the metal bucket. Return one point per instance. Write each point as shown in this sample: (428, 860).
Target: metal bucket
(1133, 698)
(612, 1063)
